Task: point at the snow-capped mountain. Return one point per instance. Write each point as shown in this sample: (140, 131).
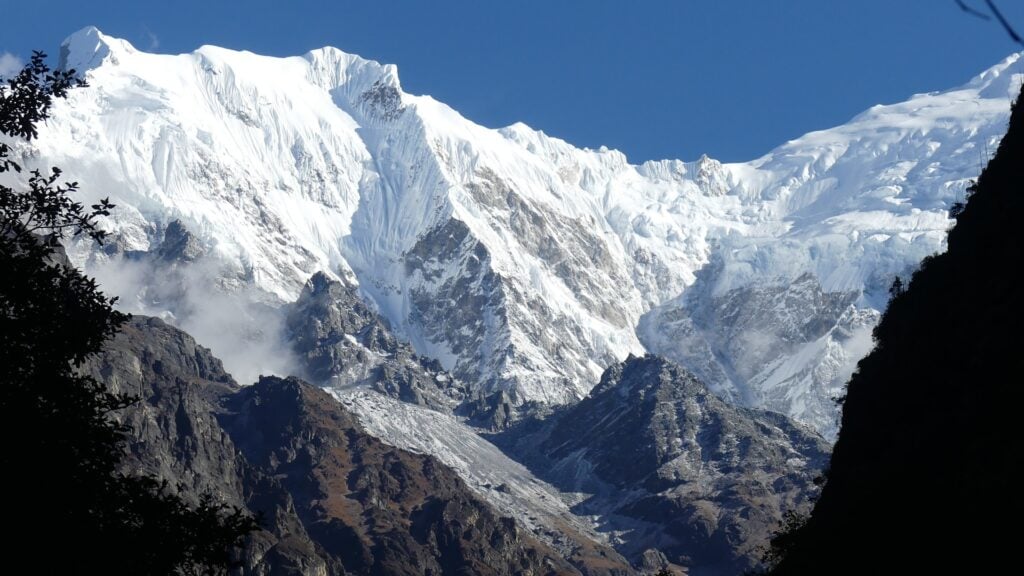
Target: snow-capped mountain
(518, 261)
(780, 316)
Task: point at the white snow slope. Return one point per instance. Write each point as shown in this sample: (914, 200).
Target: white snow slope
(516, 259)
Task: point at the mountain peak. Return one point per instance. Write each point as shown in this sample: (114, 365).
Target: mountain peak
(1003, 79)
(641, 375)
(334, 67)
(652, 439)
(89, 47)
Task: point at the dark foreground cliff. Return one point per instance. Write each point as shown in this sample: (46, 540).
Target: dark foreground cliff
(334, 500)
(925, 474)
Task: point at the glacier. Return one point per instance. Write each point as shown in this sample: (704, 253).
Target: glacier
(519, 261)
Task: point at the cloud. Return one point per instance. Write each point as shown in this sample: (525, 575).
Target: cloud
(9, 64)
(154, 40)
(235, 320)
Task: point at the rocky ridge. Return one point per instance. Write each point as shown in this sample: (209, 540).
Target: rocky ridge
(342, 343)
(668, 465)
(334, 499)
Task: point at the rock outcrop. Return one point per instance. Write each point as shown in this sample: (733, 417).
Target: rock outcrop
(341, 343)
(334, 500)
(669, 465)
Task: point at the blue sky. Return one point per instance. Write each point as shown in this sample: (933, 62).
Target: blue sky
(655, 79)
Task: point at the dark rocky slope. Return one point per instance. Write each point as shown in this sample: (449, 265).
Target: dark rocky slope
(334, 500)
(673, 467)
(342, 342)
(925, 474)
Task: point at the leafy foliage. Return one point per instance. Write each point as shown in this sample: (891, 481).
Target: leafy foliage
(63, 448)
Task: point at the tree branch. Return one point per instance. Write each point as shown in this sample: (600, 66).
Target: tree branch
(1006, 25)
(972, 11)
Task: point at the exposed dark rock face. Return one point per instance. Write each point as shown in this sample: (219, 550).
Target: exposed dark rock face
(926, 472)
(450, 258)
(334, 499)
(342, 342)
(673, 467)
(491, 412)
(175, 433)
(384, 100)
(179, 245)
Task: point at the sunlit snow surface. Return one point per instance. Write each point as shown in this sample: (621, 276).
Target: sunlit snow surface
(518, 260)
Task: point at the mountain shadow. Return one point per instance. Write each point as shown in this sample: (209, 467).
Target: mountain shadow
(925, 473)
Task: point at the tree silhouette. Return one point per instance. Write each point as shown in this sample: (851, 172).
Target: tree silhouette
(67, 505)
(896, 289)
